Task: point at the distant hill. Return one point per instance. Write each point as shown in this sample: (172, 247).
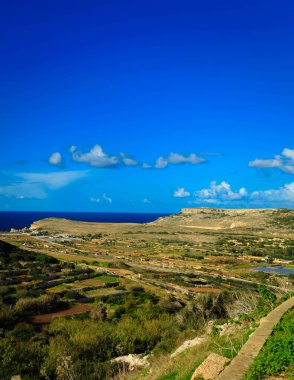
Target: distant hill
(262, 222)
(224, 219)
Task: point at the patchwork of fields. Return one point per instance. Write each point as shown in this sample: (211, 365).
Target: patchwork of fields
(168, 277)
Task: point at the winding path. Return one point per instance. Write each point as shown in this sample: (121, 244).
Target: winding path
(240, 364)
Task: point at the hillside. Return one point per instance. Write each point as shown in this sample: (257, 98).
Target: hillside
(124, 299)
(273, 220)
(256, 220)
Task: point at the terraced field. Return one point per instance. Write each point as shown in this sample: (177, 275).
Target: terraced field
(142, 287)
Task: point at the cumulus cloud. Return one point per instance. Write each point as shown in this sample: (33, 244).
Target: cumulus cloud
(98, 158)
(289, 153)
(284, 162)
(95, 157)
(36, 185)
(181, 193)
(161, 163)
(103, 199)
(284, 194)
(177, 159)
(127, 161)
(55, 159)
(268, 163)
(218, 193)
(223, 193)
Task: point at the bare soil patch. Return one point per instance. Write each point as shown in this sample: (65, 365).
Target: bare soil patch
(120, 271)
(47, 318)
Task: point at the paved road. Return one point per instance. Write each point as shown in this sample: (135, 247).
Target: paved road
(240, 364)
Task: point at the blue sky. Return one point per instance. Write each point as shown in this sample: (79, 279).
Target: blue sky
(146, 106)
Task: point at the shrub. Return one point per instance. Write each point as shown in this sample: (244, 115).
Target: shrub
(266, 294)
(21, 358)
(30, 306)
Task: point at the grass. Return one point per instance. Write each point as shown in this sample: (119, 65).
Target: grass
(105, 264)
(106, 278)
(59, 288)
(276, 357)
(183, 366)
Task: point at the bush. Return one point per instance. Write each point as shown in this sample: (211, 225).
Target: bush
(73, 295)
(21, 358)
(30, 306)
(7, 316)
(266, 294)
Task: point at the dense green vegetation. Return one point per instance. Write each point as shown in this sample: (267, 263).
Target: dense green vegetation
(11, 256)
(85, 344)
(128, 321)
(277, 354)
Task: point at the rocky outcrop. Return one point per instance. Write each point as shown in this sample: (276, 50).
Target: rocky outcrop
(132, 361)
(211, 367)
(188, 344)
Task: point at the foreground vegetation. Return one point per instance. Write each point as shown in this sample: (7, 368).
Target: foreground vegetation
(136, 321)
(93, 293)
(277, 356)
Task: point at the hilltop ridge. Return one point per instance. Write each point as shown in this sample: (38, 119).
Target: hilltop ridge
(227, 219)
(197, 210)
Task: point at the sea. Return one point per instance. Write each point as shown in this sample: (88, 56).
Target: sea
(22, 219)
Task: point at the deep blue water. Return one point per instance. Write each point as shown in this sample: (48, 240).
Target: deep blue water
(17, 219)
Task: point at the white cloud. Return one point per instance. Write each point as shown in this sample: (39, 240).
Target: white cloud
(104, 198)
(181, 193)
(130, 161)
(270, 163)
(218, 193)
(223, 193)
(95, 200)
(55, 159)
(289, 153)
(36, 185)
(284, 194)
(54, 180)
(146, 201)
(95, 157)
(177, 159)
(284, 162)
(161, 163)
(127, 161)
